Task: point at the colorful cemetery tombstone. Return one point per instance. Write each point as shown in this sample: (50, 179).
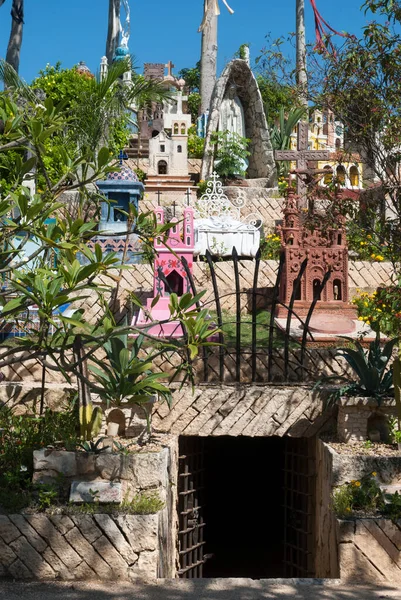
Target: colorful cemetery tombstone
(169, 276)
(122, 190)
(219, 226)
(325, 251)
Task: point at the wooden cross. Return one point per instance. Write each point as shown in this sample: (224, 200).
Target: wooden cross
(188, 195)
(174, 206)
(159, 193)
(301, 156)
(169, 66)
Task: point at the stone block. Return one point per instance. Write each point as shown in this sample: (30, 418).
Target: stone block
(103, 492)
(148, 470)
(91, 557)
(87, 527)
(8, 531)
(112, 466)
(32, 559)
(140, 530)
(33, 538)
(55, 460)
(146, 567)
(86, 463)
(19, 571)
(112, 557)
(7, 556)
(61, 571)
(116, 537)
(45, 528)
(62, 522)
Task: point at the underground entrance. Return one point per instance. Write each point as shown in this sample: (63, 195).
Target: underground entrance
(246, 507)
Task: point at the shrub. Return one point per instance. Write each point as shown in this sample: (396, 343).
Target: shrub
(362, 495)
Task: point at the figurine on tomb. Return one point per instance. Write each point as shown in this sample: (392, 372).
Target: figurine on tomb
(232, 117)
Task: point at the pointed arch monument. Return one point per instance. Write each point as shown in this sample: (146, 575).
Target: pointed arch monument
(238, 75)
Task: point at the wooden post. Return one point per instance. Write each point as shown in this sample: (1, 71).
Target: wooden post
(208, 56)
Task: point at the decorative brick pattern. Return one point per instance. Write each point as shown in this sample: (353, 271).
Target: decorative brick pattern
(354, 414)
(251, 411)
(31, 547)
(369, 551)
(139, 279)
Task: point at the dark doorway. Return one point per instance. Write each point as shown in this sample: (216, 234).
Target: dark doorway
(162, 167)
(237, 511)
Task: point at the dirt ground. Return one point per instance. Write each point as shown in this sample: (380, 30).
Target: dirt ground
(201, 589)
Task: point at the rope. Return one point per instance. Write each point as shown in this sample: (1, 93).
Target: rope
(323, 29)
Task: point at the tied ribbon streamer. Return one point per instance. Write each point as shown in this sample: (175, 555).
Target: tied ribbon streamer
(215, 5)
(323, 30)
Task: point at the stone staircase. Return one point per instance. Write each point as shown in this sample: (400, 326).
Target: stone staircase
(172, 183)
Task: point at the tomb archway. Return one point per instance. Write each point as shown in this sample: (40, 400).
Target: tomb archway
(261, 159)
(175, 283)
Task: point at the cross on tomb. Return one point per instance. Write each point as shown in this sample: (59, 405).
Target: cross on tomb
(174, 206)
(159, 193)
(169, 66)
(188, 195)
(122, 156)
(301, 156)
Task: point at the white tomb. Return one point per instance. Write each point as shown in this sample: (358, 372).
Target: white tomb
(219, 227)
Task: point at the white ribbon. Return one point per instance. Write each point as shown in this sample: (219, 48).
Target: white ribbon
(215, 3)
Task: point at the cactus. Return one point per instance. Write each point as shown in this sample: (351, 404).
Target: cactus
(90, 421)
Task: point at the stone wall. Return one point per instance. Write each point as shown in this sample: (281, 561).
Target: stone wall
(326, 528)
(99, 546)
(252, 410)
(358, 417)
(79, 547)
(369, 551)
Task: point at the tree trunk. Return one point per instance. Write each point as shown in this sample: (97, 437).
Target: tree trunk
(302, 76)
(113, 30)
(208, 58)
(15, 42)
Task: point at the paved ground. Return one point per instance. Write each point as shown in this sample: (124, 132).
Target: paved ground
(206, 589)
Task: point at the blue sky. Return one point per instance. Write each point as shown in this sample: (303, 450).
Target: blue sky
(162, 30)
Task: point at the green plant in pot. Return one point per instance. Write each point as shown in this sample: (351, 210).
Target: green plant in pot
(374, 376)
(231, 153)
(125, 378)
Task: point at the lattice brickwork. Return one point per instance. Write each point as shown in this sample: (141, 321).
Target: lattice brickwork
(253, 411)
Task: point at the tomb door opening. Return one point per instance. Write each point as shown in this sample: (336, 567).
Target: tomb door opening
(245, 507)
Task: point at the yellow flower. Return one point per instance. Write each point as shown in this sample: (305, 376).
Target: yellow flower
(379, 257)
(369, 237)
(367, 322)
(361, 318)
(348, 509)
(357, 484)
(374, 473)
(373, 256)
(366, 303)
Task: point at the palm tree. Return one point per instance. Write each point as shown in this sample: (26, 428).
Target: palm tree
(113, 30)
(209, 50)
(15, 41)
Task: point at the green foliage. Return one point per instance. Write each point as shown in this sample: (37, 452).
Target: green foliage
(201, 187)
(241, 52)
(144, 503)
(194, 103)
(280, 135)
(361, 84)
(381, 310)
(192, 78)
(270, 247)
(141, 174)
(392, 508)
(93, 447)
(48, 495)
(231, 150)
(362, 496)
(196, 144)
(374, 378)
(20, 435)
